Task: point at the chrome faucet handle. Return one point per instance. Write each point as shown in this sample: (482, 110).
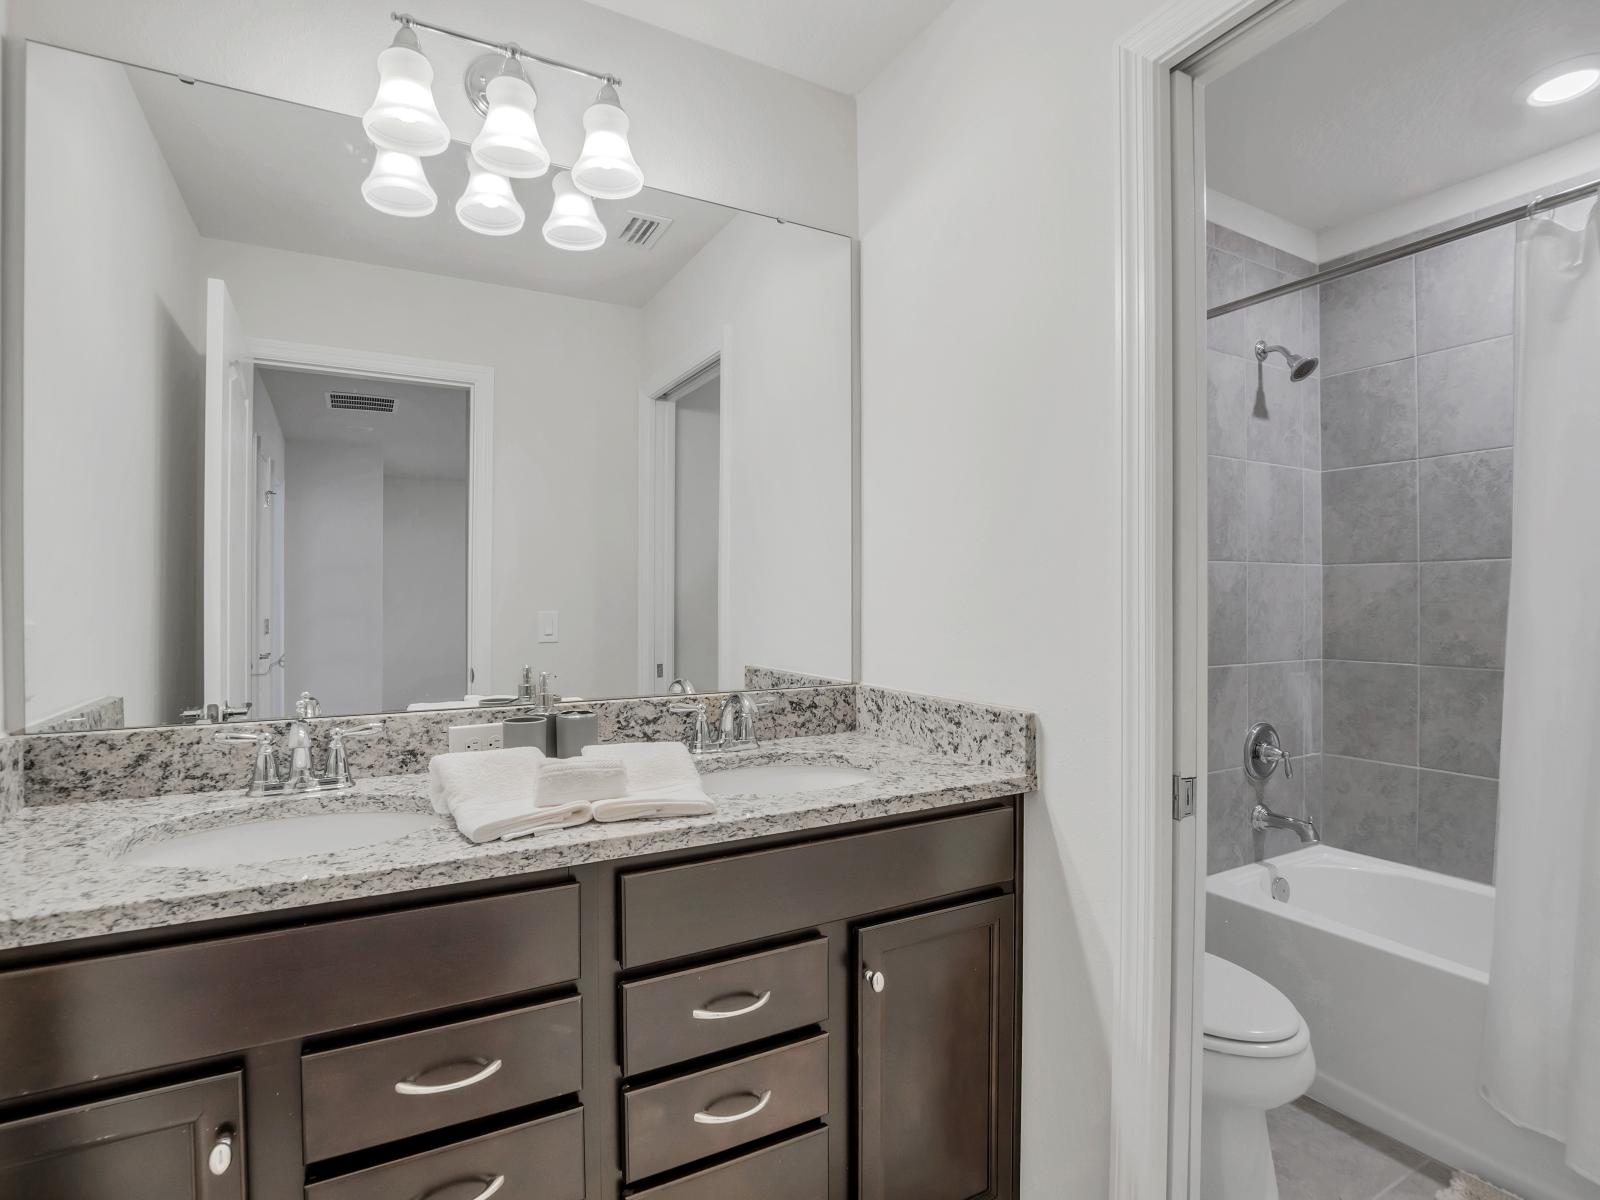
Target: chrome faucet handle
(307, 708)
(680, 687)
(739, 720)
(1263, 752)
(232, 712)
(265, 774)
(338, 759)
(700, 739)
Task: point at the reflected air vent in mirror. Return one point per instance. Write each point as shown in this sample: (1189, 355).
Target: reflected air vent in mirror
(643, 230)
(355, 402)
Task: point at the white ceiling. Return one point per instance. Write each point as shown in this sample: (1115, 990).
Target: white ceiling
(1383, 101)
(272, 173)
(424, 438)
(840, 44)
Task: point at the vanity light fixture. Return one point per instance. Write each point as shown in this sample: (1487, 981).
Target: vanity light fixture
(489, 205)
(404, 120)
(606, 169)
(1561, 83)
(573, 224)
(403, 115)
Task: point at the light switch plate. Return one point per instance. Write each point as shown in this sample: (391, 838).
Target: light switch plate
(476, 737)
(547, 626)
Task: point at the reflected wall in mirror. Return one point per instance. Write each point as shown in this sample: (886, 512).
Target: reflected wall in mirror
(297, 445)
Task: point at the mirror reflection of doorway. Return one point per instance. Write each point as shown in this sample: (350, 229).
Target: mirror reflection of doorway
(697, 450)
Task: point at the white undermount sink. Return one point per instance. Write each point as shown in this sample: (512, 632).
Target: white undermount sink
(771, 779)
(277, 837)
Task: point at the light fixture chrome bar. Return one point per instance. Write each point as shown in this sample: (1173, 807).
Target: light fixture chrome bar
(1508, 216)
(510, 48)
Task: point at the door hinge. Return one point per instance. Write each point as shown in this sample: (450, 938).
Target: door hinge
(1182, 797)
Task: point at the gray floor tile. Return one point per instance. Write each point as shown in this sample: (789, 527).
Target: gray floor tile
(1321, 1155)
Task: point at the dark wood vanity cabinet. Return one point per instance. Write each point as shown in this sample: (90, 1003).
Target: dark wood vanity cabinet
(807, 1017)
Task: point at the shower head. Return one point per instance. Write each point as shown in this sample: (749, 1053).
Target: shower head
(1299, 368)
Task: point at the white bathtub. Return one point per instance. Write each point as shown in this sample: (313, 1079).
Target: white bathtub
(1389, 966)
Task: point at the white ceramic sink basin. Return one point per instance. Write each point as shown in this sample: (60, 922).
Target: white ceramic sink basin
(771, 779)
(277, 837)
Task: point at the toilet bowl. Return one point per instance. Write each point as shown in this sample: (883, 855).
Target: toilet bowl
(1257, 1055)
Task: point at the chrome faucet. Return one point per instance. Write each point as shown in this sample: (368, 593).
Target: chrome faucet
(1263, 818)
(1263, 754)
(739, 722)
(267, 776)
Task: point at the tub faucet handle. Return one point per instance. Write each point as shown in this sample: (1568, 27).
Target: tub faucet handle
(1263, 752)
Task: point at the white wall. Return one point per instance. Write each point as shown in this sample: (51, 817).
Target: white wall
(565, 424)
(990, 474)
(114, 391)
(705, 122)
(781, 293)
(333, 574)
(424, 590)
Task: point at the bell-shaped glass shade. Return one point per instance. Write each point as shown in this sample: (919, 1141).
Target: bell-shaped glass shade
(606, 169)
(489, 205)
(509, 142)
(573, 224)
(403, 115)
(397, 185)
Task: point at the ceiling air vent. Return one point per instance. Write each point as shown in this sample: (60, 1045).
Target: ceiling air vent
(356, 402)
(643, 230)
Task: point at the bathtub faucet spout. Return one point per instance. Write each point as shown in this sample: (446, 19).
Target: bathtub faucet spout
(1263, 818)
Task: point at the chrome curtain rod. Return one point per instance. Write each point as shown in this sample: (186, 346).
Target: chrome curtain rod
(1482, 225)
(507, 48)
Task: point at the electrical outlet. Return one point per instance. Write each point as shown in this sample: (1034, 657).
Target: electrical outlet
(476, 737)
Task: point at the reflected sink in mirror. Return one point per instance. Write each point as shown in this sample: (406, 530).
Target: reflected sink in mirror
(770, 779)
(277, 838)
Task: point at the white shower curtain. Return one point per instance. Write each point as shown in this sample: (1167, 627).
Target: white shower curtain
(1541, 1063)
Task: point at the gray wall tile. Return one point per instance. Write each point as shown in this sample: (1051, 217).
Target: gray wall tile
(1370, 415)
(1464, 398)
(1311, 505)
(1228, 842)
(1226, 531)
(1225, 617)
(1464, 612)
(1274, 622)
(1368, 318)
(1465, 506)
(1276, 417)
(1242, 245)
(1276, 322)
(1369, 514)
(1230, 397)
(1369, 711)
(1370, 807)
(1457, 817)
(1460, 720)
(1464, 290)
(1227, 717)
(1274, 513)
(1280, 693)
(1311, 588)
(1369, 612)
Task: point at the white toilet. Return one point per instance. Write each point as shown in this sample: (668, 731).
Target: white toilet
(1257, 1056)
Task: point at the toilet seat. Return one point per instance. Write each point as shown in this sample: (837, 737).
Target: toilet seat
(1245, 1016)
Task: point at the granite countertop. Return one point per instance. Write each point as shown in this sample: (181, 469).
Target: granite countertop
(61, 876)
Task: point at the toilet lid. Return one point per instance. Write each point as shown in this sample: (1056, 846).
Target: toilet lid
(1242, 1007)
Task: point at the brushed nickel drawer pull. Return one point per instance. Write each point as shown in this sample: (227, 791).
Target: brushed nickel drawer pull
(711, 1014)
(705, 1118)
(495, 1184)
(410, 1087)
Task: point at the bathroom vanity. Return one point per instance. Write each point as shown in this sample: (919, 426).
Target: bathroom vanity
(830, 1010)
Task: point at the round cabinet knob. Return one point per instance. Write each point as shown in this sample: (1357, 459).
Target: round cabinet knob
(874, 979)
(221, 1156)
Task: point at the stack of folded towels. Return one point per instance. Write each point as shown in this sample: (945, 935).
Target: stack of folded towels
(510, 793)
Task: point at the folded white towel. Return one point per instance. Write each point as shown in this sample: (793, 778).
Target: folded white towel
(651, 766)
(504, 775)
(575, 780)
(487, 825)
(673, 803)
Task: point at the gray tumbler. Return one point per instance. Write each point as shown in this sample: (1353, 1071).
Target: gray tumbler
(575, 730)
(528, 731)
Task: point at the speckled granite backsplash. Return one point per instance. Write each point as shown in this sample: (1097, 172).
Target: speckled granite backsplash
(138, 763)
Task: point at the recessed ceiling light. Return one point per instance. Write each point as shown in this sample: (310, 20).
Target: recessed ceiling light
(1561, 83)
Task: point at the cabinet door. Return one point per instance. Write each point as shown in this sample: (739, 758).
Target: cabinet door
(937, 1004)
(157, 1145)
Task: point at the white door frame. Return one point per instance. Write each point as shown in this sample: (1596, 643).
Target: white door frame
(1161, 387)
(479, 384)
(657, 599)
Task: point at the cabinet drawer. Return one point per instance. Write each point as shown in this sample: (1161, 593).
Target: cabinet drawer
(359, 1096)
(542, 1160)
(672, 912)
(684, 1119)
(203, 999)
(673, 1018)
(794, 1170)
